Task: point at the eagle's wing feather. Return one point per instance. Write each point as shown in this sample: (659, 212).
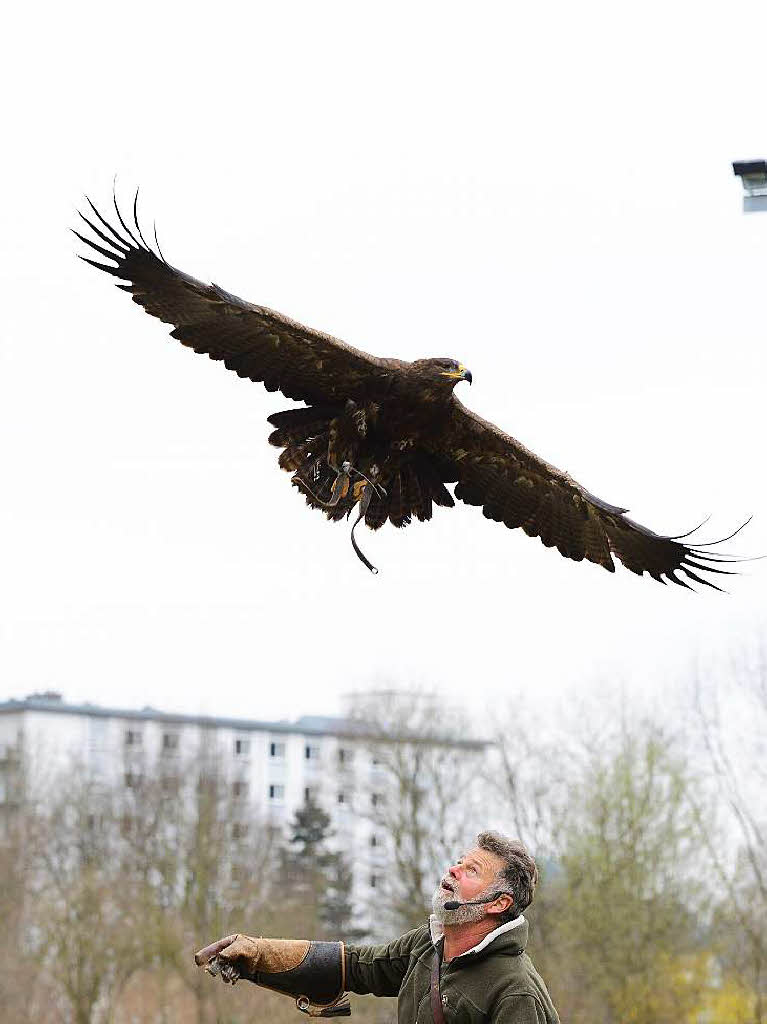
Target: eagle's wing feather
(516, 487)
(253, 341)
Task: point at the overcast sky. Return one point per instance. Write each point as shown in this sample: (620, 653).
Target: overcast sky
(543, 192)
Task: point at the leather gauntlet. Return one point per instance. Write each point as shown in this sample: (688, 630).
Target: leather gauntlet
(313, 973)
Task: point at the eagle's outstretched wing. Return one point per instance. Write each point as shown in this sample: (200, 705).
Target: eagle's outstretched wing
(492, 469)
(516, 487)
(254, 341)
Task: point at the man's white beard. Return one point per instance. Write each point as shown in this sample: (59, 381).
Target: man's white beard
(463, 915)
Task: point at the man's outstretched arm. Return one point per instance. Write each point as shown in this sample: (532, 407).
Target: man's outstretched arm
(316, 974)
(312, 973)
(379, 970)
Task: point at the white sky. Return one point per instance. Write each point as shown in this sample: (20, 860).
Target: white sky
(541, 191)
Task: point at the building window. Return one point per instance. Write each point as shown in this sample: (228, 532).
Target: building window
(170, 743)
(310, 795)
(239, 830)
(276, 792)
(374, 840)
(311, 753)
(342, 799)
(276, 750)
(241, 748)
(239, 789)
(345, 756)
(377, 799)
(133, 738)
(373, 881)
(132, 780)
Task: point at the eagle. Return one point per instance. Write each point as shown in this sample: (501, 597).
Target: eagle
(383, 437)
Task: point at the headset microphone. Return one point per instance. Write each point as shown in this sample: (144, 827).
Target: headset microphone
(455, 904)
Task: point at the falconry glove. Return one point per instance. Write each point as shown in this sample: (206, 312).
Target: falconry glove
(313, 973)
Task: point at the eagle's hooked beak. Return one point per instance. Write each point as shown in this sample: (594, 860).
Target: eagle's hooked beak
(460, 374)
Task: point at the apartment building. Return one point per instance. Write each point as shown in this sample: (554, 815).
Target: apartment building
(273, 767)
(269, 769)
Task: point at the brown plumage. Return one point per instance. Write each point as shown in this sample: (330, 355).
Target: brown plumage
(383, 436)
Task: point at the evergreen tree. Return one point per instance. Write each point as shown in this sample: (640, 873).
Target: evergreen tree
(336, 910)
(319, 880)
(309, 830)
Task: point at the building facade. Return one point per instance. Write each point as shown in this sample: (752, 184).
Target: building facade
(272, 768)
(268, 769)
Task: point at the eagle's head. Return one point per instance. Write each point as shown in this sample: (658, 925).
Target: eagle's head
(441, 374)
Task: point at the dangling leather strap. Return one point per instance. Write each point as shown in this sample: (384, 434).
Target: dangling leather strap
(436, 998)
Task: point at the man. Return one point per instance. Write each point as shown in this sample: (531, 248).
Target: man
(467, 965)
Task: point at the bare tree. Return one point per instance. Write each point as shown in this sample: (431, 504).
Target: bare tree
(81, 921)
(104, 882)
(529, 774)
(421, 796)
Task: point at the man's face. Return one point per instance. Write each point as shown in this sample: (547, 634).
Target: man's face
(473, 875)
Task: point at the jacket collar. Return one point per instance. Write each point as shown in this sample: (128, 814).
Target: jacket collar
(515, 943)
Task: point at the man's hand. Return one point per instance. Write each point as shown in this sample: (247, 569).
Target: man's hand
(233, 957)
(312, 973)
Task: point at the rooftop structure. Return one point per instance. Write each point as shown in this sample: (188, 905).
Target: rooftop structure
(753, 176)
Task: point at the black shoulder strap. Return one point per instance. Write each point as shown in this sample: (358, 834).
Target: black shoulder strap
(436, 998)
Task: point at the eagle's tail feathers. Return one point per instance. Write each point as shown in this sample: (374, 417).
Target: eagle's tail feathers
(442, 495)
(414, 496)
(378, 510)
(399, 511)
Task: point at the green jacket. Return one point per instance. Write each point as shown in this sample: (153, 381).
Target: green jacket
(496, 982)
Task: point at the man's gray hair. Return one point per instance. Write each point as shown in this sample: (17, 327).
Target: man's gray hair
(519, 876)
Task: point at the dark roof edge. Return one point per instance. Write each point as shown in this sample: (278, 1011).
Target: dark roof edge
(741, 167)
(171, 717)
(308, 725)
